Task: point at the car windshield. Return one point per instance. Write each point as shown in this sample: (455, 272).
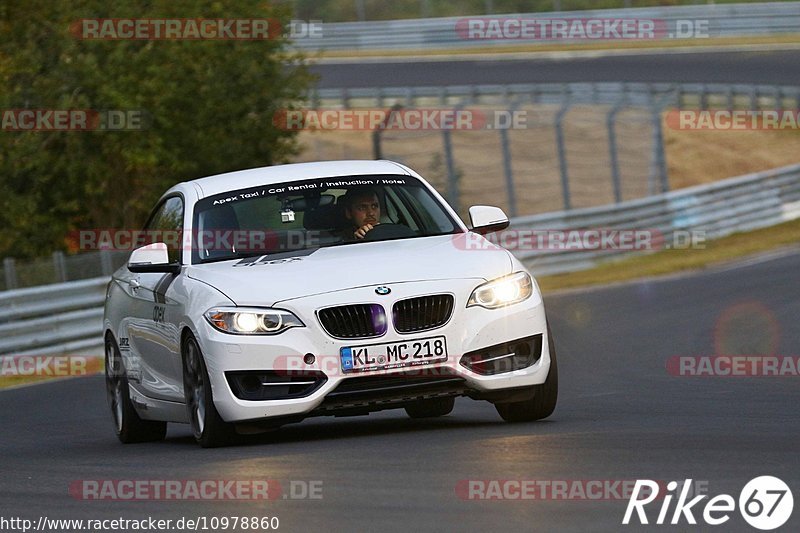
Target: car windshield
(302, 215)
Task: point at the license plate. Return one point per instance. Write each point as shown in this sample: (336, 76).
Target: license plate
(394, 354)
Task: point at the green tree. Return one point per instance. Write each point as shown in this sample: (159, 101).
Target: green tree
(209, 108)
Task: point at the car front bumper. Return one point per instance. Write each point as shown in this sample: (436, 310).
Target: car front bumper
(469, 329)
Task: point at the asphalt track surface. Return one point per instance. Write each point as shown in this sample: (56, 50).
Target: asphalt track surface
(766, 67)
(621, 416)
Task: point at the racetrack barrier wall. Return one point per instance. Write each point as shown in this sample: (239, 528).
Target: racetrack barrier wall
(724, 20)
(718, 209)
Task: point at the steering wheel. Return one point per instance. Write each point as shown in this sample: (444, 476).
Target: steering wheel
(389, 231)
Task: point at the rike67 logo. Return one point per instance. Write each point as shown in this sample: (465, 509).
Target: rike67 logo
(765, 503)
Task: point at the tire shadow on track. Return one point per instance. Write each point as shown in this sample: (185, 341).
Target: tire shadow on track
(334, 430)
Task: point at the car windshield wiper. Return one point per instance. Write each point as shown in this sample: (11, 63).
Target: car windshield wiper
(249, 254)
(237, 255)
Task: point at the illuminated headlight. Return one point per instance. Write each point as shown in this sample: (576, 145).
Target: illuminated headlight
(502, 291)
(252, 321)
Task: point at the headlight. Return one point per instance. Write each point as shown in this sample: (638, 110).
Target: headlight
(252, 320)
(502, 291)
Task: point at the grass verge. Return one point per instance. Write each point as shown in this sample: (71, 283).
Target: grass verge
(94, 365)
(717, 251)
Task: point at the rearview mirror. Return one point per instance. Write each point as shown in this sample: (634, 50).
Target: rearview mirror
(487, 219)
(152, 258)
(307, 203)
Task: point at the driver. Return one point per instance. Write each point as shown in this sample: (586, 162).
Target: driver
(363, 210)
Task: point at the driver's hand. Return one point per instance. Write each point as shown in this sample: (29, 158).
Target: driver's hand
(362, 231)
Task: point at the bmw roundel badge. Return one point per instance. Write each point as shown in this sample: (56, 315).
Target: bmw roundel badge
(383, 290)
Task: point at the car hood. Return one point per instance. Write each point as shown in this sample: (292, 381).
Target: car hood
(279, 277)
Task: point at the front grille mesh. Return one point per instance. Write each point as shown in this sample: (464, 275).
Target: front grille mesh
(353, 321)
(422, 313)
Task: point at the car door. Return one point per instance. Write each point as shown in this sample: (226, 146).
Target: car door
(154, 311)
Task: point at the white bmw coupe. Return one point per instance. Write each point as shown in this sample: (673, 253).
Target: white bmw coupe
(262, 297)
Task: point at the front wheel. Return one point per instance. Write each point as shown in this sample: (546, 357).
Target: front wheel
(544, 399)
(210, 431)
(127, 424)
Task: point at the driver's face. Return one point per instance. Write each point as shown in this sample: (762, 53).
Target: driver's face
(364, 210)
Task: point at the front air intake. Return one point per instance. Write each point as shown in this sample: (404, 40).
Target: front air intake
(260, 385)
(506, 357)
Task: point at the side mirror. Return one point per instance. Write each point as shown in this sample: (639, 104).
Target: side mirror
(152, 258)
(487, 219)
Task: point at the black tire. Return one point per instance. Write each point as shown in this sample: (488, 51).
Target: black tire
(545, 396)
(208, 427)
(127, 424)
(431, 407)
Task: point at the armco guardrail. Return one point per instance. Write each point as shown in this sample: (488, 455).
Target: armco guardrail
(661, 94)
(53, 318)
(68, 316)
(717, 209)
(724, 20)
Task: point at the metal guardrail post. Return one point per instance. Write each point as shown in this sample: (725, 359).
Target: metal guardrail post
(106, 265)
(345, 98)
(507, 169)
(659, 157)
(453, 196)
(778, 100)
(10, 270)
(377, 134)
(452, 177)
(377, 153)
(654, 151)
(60, 267)
(612, 151)
(562, 154)
(793, 96)
(361, 11)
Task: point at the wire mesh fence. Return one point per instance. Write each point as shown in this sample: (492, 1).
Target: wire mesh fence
(561, 158)
(579, 145)
(59, 267)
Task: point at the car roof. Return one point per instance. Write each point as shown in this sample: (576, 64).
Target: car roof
(242, 179)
